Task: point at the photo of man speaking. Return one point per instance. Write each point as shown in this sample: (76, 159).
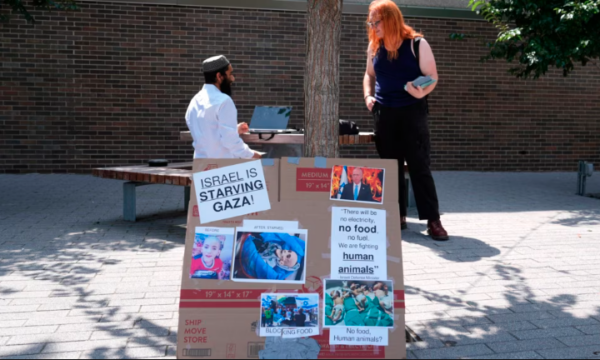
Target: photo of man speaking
(357, 190)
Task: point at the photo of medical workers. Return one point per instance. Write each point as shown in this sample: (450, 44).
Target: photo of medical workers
(359, 304)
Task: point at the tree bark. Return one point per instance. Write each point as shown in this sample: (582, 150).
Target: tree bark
(321, 78)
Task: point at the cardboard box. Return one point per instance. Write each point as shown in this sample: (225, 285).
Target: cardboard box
(220, 319)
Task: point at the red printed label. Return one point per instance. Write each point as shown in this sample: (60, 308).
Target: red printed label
(313, 180)
(196, 213)
(231, 351)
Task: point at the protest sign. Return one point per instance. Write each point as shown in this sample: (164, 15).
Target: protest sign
(358, 244)
(231, 191)
(359, 336)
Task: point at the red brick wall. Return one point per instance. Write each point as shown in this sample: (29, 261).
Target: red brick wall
(110, 85)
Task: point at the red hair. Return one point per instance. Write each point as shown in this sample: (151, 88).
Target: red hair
(394, 27)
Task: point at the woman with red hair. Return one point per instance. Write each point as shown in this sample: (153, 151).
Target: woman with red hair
(399, 108)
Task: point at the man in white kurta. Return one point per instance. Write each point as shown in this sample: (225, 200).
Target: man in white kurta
(212, 116)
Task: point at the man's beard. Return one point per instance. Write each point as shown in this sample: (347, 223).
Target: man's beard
(226, 87)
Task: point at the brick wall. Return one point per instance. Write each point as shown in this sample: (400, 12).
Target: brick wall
(110, 84)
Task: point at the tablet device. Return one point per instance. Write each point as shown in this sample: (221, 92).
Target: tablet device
(423, 81)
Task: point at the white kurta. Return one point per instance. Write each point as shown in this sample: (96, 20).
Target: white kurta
(212, 120)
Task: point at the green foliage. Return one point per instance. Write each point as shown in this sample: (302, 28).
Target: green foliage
(539, 34)
(9, 7)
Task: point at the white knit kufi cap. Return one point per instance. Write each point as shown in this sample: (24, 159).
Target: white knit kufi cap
(215, 63)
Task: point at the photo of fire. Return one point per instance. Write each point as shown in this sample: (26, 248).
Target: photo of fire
(373, 178)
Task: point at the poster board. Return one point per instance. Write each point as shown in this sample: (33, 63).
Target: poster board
(220, 318)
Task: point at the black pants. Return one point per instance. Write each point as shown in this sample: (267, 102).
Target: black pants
(403, 134)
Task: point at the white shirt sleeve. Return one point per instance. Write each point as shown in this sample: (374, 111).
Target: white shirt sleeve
(228, 132)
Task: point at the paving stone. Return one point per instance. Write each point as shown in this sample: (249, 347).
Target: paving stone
(580, 341)
(526, 345)
(589, 329)
(558, 333)
(511, 326)
(28, 330)
(70, 355)
(471, 339)
(126, 353)
(10, 351)
(454, 352)
(84, 345)
(36, 339)
(541, 315)
(570, 353)
(152, 341)
(62, 320)
(517, 356)
(129, 333)
(564, 322)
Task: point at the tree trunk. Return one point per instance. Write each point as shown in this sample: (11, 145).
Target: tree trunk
(322, 79)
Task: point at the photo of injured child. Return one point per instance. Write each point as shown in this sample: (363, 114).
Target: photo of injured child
(270, 257)
(359, 304)
(279, 311)
(212, 253)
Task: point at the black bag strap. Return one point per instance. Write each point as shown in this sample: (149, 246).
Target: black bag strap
(416, 46)
(417, 43)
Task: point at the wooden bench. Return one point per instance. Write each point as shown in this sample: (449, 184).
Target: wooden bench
(179, 174)
(362, 138)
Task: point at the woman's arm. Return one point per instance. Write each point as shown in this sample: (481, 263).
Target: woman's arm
(369, 82)
(428, 67)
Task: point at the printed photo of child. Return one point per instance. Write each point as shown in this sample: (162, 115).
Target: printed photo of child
(270, 257)
(212, 253)
(359, 304)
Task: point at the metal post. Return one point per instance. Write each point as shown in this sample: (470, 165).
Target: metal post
(129, 210)
(581, 178)
(186, 197)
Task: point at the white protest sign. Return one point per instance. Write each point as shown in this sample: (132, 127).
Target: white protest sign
(359, 336)
(231, 191)
(358, 244)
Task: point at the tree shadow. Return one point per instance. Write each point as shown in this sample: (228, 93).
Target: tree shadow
(518, 324)
(580, 218)
(75, 266)
(452, 250)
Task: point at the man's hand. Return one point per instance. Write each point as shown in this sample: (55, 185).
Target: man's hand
(243, 128)
(416, 91)
(370, 102)
(257, 155)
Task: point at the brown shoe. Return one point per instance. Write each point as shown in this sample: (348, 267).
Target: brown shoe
(437, 231)
(403, 223)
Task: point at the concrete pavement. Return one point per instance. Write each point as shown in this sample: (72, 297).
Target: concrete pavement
(519, 279)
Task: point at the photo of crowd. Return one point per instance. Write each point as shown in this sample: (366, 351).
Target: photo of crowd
(359, 303)
(292, 311)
